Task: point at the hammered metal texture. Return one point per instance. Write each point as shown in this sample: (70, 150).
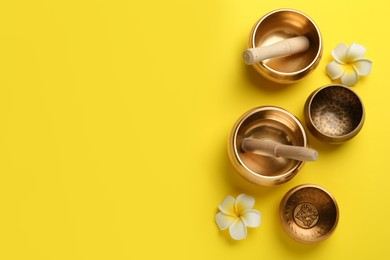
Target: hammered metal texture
(334, 113)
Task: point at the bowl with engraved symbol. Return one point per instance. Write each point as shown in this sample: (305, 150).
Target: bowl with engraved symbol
(309, 213)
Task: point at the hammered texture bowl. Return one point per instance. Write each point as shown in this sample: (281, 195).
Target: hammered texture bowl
(334, 113)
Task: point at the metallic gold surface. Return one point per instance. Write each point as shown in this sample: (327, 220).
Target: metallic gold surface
(272, 123)
(309, 214)
(279, 25)
(334, 113)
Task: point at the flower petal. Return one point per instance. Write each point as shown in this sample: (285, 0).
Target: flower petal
(362, 66)
(355, 51)
(251, 218)
(224, 221)
(335, 70)
(350, 77)
(238, 230)
(244, 202)
(340, 53)
(227, 206)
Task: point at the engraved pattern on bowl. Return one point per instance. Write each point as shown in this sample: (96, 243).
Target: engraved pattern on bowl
(308, 213)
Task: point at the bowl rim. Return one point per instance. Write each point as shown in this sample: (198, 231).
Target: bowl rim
(341, 138)
(284, 222)
(267, 15)
(265, 178)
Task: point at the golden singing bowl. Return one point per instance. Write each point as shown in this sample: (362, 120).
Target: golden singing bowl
(273, 123)
(309, 214)
(280, 25)
(334, 113)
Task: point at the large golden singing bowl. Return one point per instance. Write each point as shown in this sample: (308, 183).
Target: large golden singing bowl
(273, 123)
(309, 214)
(280, 25)
(334, 113)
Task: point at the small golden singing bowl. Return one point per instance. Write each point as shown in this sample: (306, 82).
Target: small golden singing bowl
(309, 214)
(280, 25)
(334, 113)
(272, 123)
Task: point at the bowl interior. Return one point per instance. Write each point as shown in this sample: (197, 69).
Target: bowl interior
(336, 111)
(309, 214)
(275, 125)
(286, 24)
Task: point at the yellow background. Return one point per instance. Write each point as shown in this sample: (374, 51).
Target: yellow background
(114, 118)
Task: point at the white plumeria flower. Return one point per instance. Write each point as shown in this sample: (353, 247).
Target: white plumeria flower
(237, 214)
(349, 64)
